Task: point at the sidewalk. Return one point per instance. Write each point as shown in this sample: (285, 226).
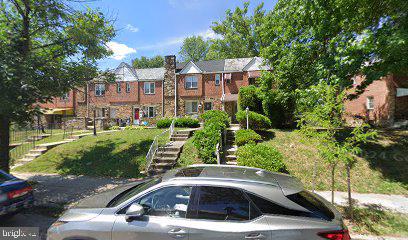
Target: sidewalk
(396, 203)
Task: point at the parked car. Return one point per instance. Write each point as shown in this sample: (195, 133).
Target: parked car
(204, 202)
(15, 195)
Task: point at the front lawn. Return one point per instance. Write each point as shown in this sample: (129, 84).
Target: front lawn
(117, 154)
(382, 168)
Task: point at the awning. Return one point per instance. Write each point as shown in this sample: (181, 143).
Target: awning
(59, 111)
(231, 98)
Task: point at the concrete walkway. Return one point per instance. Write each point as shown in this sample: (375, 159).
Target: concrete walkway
(395, 203)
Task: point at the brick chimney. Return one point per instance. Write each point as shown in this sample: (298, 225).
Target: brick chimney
(169, 89)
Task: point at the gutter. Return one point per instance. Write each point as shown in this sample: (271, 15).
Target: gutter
(223, 91)
(175, 91)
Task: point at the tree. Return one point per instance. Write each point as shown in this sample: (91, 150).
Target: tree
(47, 49)
(194, 48)
(240, 34)
(146, 62)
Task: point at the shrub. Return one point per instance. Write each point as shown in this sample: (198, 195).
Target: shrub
(261, 156)
(215, 116)
(279, 107)
(187, 122)
(206, 140)
(245, 136)
(248, 97)
(114, 128)
(256, 120)
(164, 123)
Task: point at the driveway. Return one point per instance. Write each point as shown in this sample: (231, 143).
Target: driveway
(54, 193)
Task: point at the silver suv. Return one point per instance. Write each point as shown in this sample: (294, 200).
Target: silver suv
(204, 202)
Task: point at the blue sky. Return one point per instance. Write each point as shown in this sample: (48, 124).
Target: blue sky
(158, 27)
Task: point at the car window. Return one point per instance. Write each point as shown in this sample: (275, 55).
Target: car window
(268, 207)
(169, 201)
(217, 203)
(128, 194)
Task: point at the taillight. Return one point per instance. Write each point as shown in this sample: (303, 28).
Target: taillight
(19, 192)
(336, 235)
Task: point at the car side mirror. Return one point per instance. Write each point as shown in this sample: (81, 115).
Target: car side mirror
(135, 211)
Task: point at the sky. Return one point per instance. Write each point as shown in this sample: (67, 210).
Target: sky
(158, 27)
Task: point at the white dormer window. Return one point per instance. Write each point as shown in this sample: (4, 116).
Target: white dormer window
(149, 88)
(127, 87)
(191, 82)
(370, 103)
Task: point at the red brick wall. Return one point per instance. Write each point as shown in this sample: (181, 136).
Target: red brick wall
(210, 89)
(112, 96)
(380, 91)
(151, 98)
(57, 102)
(183, 92)
(238, 80)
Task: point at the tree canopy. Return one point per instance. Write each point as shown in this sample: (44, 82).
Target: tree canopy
(194, 48)
(47, 48)
(148, 62)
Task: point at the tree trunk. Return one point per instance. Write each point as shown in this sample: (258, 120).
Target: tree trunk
(332, 183)
(4, 143)
(350, 201)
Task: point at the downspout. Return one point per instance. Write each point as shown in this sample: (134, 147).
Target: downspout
(163, 98)
(175, 91)
(223, 91)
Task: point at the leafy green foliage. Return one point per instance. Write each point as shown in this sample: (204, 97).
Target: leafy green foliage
(279, 107)
(240, 34)
(261, 156)
(249, 97)
(245, 136)
(148, 62)
(164, 123)
(256, 120)
(187, 122)
(194, 48)
(216, 116)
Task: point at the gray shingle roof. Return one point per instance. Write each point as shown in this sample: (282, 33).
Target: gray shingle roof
(236, 64)
(148, 74)
(227, 65)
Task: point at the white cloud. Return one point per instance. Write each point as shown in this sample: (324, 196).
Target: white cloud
(206, 34)
(132, 28)
(120, 51)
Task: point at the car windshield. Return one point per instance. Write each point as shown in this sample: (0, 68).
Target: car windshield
(128, 194)
(4, 177)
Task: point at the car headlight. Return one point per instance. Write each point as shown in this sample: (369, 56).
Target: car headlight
(58, 223)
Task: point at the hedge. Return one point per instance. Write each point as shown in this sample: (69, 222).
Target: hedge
(245, 136)
(164, 123)
(256, 120)
(215, 116)
(206, 140)
(248, 97)
(261, 156)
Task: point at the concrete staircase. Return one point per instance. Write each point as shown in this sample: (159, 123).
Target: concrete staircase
(166, 156)
(231, 148)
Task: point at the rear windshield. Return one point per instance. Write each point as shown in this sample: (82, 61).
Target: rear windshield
(128, 194)
(317, 208)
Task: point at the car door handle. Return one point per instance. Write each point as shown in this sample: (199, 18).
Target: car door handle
(177, 233)
(255, 236)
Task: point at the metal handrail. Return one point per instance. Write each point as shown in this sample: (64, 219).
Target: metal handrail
(172, 126)
(153, 149)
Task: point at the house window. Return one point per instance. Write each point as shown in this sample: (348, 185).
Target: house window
(99, 89)
(191, 107)
(149, 88)
(208, 106)
(191, 82)
(228, 77)
(370, 103)
(118, 87)
(217, 79)
(65, 97)
(127, 87)
(149, 112)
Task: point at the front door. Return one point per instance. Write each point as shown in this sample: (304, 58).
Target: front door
(231, 108)
(165, 218)
(136, 114)
(225, 214)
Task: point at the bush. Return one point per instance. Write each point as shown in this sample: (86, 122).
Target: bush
(279, 107)
(164, 123)
(261, 156)
(245, 136)
(206, 140)
(248, 97)
(187, 122)
(256, 120)
(215, 116)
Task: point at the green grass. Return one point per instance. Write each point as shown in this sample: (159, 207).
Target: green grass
(117, 154)
(189, 155)
(381, 168)
(376, 221)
